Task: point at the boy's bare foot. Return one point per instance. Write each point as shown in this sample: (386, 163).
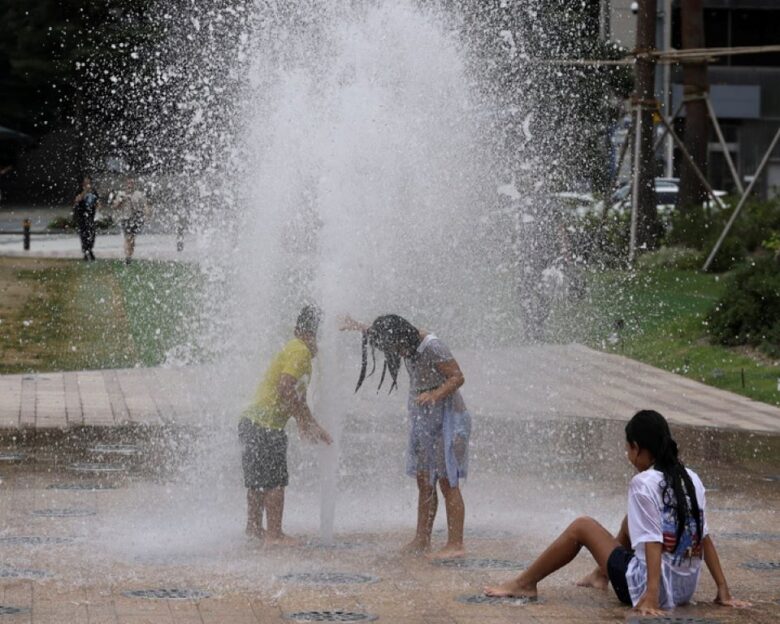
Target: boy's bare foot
(280, 540)
(417, 546)
(511, 589)
(450, 551)
(595, 579)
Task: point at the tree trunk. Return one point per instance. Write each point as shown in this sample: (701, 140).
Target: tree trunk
(648, 227)
(695, 86)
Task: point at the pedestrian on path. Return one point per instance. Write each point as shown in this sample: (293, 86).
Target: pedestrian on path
(280, 396)
(85, 205)
(655, 560)
(131, 209)
(439, 424)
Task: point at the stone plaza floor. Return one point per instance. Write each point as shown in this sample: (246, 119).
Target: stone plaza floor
(90, 513)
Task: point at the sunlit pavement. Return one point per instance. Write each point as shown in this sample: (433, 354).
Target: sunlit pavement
(147, 500)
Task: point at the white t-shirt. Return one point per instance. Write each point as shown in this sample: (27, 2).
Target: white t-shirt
(650, 520)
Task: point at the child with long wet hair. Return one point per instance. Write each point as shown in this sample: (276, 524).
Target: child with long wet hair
(655, 560)
(439, 424)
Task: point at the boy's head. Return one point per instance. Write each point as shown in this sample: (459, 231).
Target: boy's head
(308, 321)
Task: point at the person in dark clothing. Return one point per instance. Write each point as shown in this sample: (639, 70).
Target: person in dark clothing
(84, 208)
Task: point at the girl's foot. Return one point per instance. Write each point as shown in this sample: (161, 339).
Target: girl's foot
(595, 579)
(450, 551)
(280, 540)
(511, 589)
(417, 546)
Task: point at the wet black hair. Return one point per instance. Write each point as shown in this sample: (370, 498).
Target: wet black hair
(392, 335)
(649, 430)
(308, 321)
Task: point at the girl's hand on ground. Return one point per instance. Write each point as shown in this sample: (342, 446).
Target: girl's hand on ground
(647, 606)
(425, 398)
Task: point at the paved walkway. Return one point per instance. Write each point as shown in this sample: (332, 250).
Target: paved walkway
(549, 382)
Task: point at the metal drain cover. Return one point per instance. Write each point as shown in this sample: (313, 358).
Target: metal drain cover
(762, 565)
(73, 512)
(670, 619)
(12, 457)
(318, 545)
(93, 467)
(81, 486)
(164, 593)
(12, 610)
(480, 564)
(750, 536)
(327, 578)
(23, 573)
(329, 616)
(124, 450)
(771, 478)
(495, 600)
(35, 540)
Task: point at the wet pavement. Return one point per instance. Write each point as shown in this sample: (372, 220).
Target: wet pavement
(78, 539)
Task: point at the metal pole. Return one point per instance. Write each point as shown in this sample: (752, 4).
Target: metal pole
(722, 140)
(665, 133)
(616, 177)
(742, 201)
(635, 186)
(668, 84)
(694, 166)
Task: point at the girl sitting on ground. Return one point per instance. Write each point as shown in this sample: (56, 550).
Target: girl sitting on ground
(655, 561)
(439, 425)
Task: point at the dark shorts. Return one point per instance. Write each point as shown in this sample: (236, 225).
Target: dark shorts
(617, 565)
(264, 456)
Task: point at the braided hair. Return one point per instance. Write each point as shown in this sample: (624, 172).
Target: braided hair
(394, 336)
(649, 430)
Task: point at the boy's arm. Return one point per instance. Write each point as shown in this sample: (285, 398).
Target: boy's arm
(712, 560)
(347, 323)
(299, 410)
(648, 603)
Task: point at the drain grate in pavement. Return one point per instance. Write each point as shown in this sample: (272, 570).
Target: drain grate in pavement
(495, 600)
(672, 619)
(762, 565)
(35, 540)
(22, 573)
(327, 578)
(71, 512)
(95, 467)
(12, 610)
(92, 487)
(480, 564)
(121, 450)
(12, 457)
(318, 545)
(329, 616)
(750, 536)
(165, 593)
(771, 478)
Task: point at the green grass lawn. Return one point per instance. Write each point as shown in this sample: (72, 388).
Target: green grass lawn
(100, 315)
(664, 314)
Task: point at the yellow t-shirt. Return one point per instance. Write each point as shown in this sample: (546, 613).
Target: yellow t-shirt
(294, 360)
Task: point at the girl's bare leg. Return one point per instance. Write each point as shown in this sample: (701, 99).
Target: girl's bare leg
(598, 578)
(427, 503)
(456, 512)
(254, 513)
(582, 532)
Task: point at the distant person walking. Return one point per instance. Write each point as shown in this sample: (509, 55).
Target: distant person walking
(85, 206)
(131, 209)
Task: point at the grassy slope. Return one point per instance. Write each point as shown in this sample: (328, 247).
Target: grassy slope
(665, 314)
(102, 315)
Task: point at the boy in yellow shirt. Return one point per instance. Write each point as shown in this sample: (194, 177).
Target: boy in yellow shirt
(280, 396)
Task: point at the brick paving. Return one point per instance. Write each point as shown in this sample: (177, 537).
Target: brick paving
(563, 381)
(547, 447)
